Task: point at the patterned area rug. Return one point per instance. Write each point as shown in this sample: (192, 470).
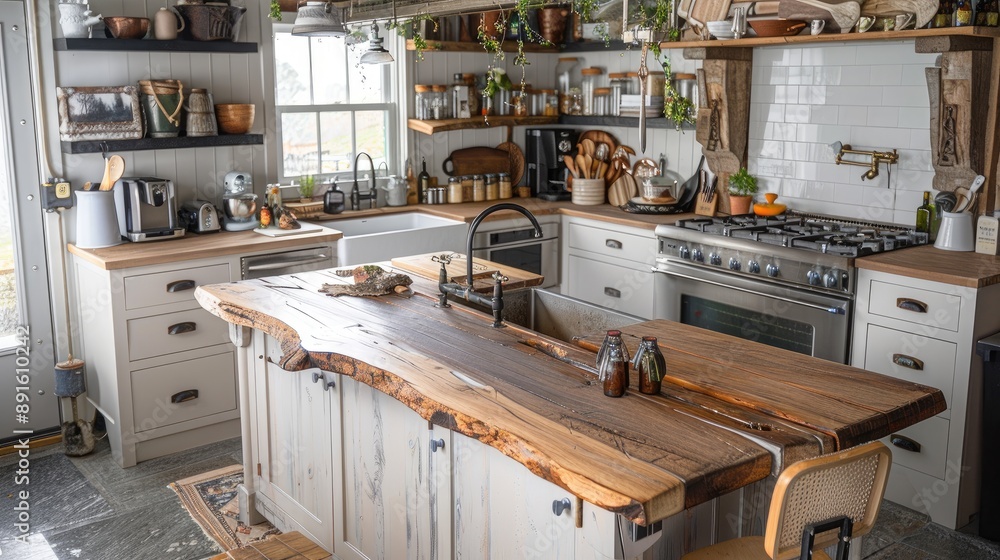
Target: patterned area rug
(211, 500)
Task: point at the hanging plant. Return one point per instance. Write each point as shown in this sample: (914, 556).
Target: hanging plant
(411, 28)
(275, 13)
(676, 107)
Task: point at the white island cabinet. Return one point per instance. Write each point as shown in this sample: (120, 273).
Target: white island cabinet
(366, 477)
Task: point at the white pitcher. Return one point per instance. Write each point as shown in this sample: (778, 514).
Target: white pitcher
(76, 19)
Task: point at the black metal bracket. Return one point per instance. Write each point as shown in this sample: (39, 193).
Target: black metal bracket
(810, 531)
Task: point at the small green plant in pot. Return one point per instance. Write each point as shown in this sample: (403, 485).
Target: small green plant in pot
(306, 186)
(742, 187)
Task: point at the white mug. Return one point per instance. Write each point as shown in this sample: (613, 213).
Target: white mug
(816, 26)
(904, 20)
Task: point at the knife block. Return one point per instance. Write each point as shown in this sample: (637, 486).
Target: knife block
(703, 208)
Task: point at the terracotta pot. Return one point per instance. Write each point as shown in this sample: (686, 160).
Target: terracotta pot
(552, 23)
(739, 204)
(488, 22)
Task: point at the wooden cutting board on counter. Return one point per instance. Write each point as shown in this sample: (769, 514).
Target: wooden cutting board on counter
(477, 161)
(482, 271)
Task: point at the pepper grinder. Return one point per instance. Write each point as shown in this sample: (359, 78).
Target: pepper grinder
(612, 364)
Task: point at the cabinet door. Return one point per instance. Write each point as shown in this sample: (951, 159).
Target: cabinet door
(294, 447)
(395, 491)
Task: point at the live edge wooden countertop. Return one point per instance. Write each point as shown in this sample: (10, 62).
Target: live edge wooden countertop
(971, 270)
(731, 412)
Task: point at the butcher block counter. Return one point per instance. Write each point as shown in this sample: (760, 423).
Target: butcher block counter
(926, 262)
(731, 412)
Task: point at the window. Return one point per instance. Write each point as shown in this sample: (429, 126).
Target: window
(329, 108)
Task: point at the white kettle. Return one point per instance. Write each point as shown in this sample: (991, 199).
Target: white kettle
(75, 19)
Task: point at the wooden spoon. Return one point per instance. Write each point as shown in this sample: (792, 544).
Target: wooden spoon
(589, 160)
(114, 168)
(570, 165)
(589, 147)
(581, 166)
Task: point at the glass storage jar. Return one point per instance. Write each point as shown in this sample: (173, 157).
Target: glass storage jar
(422, 101)
(478, 185)
(619, 86)
(564, 74)
(492, 187)
(474, 97)
(601, 100)
(467, 182)
(612, 364)
(633, 83)
(550, 102)
(591, 77)
(442, 101)
(506, 188)
(655, 83)
(454, 191)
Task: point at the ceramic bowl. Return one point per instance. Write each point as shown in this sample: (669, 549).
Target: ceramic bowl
(777, 27)
(234, 118)
(122, 27)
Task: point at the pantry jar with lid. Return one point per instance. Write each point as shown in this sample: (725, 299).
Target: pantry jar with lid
(422, 101)
(656, 84)
(601, 100)
(564, 73)
(470, 81)
(467, 186)
(492, 186)
(571, 103)
(441, 102)
(591, 79)
(550, 102)
(633, 83)
(619, 86)
(478, 184)
(506, 189)
(687, 86)
(454, 191)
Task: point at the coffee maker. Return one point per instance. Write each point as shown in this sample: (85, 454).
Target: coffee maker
(147, 209)
(546, 171)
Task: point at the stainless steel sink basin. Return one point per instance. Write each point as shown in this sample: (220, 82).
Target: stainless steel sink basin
(382, 237)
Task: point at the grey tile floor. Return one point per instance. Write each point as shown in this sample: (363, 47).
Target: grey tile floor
(88, 508)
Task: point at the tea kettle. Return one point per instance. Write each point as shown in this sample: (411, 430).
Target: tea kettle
(395, 191)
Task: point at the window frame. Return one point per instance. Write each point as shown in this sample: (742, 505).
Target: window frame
(391, 76)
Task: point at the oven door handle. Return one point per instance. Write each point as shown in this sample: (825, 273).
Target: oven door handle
(827, 308)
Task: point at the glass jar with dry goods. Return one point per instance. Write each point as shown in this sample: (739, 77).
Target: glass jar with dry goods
(454, 191)
(656, 82)
(633, 83)
(492, 186)
(619, 86)
(534, 98)
(564, 74)
(460, 97)
(467, 183)
(474, 99)
(602, 97)
(506, 189)
(422, 101)
(550, 102)
(613, 364)
(571, 103)
(478, 189)
(650, 365)
(441, 102)
(591, 78)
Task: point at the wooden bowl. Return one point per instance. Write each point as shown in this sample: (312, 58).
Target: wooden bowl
(777, 27)
(122, 27)
(234, 118)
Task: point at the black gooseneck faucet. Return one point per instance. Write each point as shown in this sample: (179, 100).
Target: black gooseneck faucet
(466, 292)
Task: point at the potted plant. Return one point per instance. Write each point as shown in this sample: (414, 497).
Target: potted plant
(306, 186)
(742, 187)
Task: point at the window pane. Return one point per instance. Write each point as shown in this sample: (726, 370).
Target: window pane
(329, 69)
(372, 133)
(299, 146)
(291, 69)
(337, 145)
(366, 81)
(9, 308)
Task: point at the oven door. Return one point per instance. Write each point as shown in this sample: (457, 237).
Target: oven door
(799, 320)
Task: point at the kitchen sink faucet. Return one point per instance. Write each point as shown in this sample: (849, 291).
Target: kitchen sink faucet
(356, 196)
(495, 302)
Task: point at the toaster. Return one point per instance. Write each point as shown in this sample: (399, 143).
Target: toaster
(198, 216)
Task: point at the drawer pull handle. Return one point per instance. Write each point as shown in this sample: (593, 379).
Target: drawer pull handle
(181, 285)
(559, 506)
(327, 384)
(613, 243)
(181, 328)
(904, 442)
(903, 360)
(611, 292)
(184, 396)
(437, 444)
(911, 305)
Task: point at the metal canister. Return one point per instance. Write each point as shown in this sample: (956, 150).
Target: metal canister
(70, 381)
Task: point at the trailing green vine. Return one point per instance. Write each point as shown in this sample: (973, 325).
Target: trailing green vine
(411, 28)
(275, 12)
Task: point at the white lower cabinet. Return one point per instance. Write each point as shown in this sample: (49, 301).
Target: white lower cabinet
(609, 265)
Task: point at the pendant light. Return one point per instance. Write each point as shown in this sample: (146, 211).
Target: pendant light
(319, 18)
(376, 52)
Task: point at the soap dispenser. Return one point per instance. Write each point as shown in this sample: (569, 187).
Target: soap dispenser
(333, 200)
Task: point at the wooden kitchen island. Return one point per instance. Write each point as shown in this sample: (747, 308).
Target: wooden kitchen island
(389, 428)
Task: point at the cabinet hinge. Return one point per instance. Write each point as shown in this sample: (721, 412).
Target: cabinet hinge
(258, 469)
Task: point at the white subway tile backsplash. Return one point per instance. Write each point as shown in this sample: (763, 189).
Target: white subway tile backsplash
(813, 95)
(829, 55)
(786, 94)
(917, 118)
(882, 52)
(883, 116)
(853, 116)
(827, 75)
(886, 75)
(762, 93)
(785, 131)
(777, 56)
(801, 75)
(915, 74)
(853, 95)
(905, 96)
(797, 113)
(823, 133)
(848, 194)
(879, 137)
(823, 114)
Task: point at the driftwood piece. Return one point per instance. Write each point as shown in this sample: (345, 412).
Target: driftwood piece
(840, 15)
(958, 90)
(923, 9)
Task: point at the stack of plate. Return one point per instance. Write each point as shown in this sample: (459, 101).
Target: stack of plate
(588, 192)
(721, 29)
(630, 105)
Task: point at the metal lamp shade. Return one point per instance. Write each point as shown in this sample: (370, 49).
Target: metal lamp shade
(376, 52)
(319, 19)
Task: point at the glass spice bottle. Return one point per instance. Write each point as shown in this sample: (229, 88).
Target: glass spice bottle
(478, 188)
(506, 189)
(612, 364)
(650, 365)
(492, 187)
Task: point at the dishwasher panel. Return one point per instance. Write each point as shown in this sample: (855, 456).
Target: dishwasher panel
(287, 262)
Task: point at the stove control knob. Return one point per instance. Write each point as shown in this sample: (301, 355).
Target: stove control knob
(683, 252)
(696, 255)
(814, 277)
(753, 267)
(715, 258)
(832, 278)
(734, 264)
(772, 270)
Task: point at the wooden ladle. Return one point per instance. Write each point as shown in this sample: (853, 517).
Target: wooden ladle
(114, 168)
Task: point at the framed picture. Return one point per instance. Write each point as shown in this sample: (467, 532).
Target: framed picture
(99, 113)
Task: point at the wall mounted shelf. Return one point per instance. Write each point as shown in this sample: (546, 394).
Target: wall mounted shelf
(632, 122)
(152, 45)
(474, 46)
(985, 32)
(445, 125)
(98, 146)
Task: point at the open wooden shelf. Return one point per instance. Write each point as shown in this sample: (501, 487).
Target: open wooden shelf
(508, 45)
(444, 125)
(153, 45)
(633, 122)
(969, 31)
(98, 146)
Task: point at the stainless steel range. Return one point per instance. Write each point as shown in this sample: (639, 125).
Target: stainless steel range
(787, 281)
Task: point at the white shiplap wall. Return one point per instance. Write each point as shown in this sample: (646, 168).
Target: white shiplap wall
(680, 148)
(230, 78)
(872, 95)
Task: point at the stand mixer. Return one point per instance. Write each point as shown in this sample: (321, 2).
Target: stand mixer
(239, 203)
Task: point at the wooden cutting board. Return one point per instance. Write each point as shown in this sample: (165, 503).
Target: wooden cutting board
(482, 270)
(478, 160)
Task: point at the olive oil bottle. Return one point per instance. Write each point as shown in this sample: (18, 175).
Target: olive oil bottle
(925, 215)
